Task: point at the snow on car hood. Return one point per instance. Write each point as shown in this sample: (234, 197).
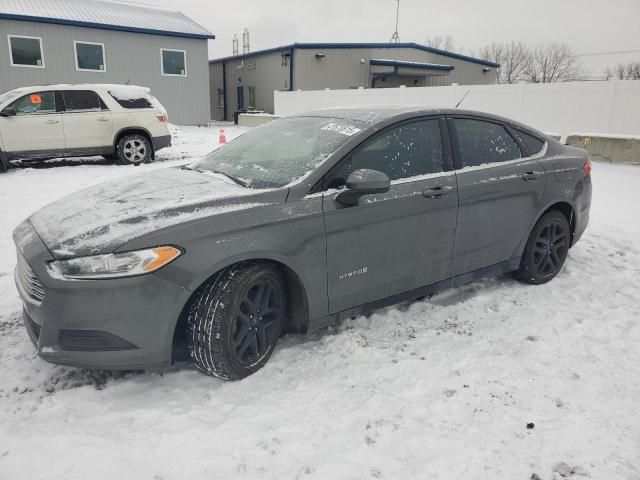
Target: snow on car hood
(101, 218)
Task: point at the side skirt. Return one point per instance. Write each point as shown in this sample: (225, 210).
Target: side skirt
(62, 153)
(491, 271)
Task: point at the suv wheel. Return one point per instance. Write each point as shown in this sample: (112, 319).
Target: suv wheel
(4, 165)
(546, 249)
(133, 150)
(235, 320)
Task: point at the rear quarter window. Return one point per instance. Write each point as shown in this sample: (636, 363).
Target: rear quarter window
(132, 101)
(532, 144)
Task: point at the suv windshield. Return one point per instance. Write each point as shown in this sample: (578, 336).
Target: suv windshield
(11, 94)
(280, 151)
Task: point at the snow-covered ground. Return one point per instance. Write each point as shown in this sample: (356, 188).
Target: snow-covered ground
(437, 389)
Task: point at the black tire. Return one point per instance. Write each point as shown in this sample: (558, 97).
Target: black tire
(229, 336)
(546, 249)
(4, 164)
(134, 149)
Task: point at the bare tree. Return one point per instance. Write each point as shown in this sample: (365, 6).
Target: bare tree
(552, 62)
(442, 42)
(512, 57)
(629, 71)
(514, 61)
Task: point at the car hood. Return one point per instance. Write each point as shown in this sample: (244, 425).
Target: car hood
(99, 219)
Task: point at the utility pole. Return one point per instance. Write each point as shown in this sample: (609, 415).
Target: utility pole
(395, 38)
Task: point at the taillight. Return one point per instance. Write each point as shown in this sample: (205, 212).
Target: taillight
(162, 117)
(586, 168)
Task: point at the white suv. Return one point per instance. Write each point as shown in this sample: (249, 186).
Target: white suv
(121, 122)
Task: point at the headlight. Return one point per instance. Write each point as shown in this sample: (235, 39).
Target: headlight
(115, 265)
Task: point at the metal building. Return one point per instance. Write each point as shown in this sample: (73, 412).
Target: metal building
(92, 41)
(249, 80)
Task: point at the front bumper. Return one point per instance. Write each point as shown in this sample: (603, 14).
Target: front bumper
(116, 324)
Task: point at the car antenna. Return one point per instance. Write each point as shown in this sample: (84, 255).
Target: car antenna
(464, 96)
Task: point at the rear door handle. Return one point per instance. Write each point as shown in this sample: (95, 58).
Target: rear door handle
(103, 119)
(530, 176)
(437, 192)
(51, 122)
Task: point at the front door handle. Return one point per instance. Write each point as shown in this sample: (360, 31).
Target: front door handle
(437, 192)
(103, 119)
(51, 122)
(530, 176)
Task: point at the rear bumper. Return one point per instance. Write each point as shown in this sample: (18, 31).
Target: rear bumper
(123, 324)
(161, 142)
(583, 208)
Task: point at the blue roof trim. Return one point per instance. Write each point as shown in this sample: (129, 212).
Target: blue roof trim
(424, 48)
(283, 48)
(102, 26)
(400, 63)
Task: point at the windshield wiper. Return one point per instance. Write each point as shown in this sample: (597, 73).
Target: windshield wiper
(218, 172)
(231, 177)
(187, 167)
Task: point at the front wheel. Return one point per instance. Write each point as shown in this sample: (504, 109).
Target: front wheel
(235, 320)
(546, 249)
(133, 150)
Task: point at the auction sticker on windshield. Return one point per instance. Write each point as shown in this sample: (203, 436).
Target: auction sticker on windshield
(343, 129)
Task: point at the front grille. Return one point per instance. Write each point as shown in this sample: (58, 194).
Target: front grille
(29, 283)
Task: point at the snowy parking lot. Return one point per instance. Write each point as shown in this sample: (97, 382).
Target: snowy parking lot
(494, 380)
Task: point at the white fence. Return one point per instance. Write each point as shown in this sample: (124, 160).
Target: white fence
(562, 108)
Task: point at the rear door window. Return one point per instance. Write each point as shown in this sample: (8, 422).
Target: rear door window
(82, 100)
(481, 142)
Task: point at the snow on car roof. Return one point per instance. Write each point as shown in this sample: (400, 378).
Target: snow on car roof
(107, 15)
(377, 113)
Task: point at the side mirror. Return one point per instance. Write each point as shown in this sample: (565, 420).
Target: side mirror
(8, 112)
(363, 182)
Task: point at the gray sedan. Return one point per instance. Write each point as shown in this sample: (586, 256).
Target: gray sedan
(290, 228)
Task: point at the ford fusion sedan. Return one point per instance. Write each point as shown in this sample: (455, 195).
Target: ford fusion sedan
(291, 227)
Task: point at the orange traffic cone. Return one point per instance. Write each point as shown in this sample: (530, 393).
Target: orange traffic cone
(223, 137)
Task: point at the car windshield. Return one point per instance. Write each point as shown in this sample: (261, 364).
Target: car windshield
(11, 94)
(280, 151)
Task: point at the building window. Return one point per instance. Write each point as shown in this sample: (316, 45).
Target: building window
(90, 56)
(220, 98)
(174, 62)
(252, 97)
(26, 51)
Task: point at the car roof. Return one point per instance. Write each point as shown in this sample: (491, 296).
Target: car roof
(81, 86)
(373, 114)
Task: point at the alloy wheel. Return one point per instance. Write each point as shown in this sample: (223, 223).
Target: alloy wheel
(135, 150)
(550, 249)
(259, 312)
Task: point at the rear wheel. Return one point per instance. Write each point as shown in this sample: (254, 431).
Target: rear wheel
(4, 164)
(133, 149)
(235, 320)
(546, 249)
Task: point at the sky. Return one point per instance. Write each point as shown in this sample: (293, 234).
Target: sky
(588, 26)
